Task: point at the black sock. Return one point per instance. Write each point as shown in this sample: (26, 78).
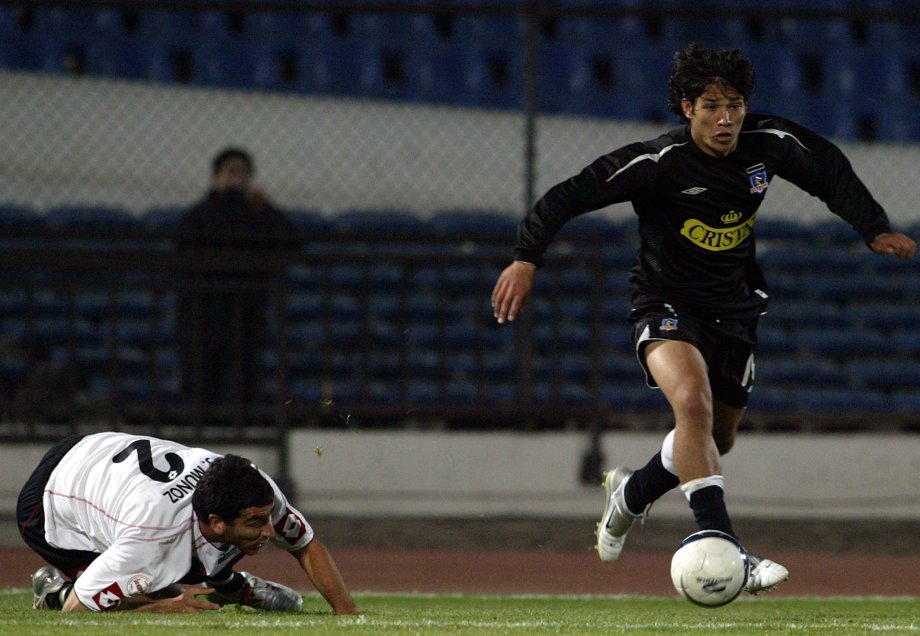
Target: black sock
(233, 584)
(56, 601)
(708, 506)
(648, 484)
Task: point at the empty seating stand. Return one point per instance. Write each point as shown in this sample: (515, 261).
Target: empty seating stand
(827, 72)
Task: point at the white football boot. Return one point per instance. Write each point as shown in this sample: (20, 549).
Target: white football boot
(617, 519)
(764, 575)
(46, 581)
(261, 594)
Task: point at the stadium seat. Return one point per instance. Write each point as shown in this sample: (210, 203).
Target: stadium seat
(84, 217)
(840, 342)
(162, 219)
(885, 374)
(288, 29)
(905, 341)
(882, 315)
(222, 62)
(491, 74)
(797, 371)
(825, 400)
(772, 340)
(811, 257)
(473, 224)
(792, 314)
(77, 25)
(19, 217)
(842, 288)
(170, 26)
(391, 223)
(781, 229)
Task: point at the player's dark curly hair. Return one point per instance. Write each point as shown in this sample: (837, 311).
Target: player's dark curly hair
(230, 485)
(697, 66)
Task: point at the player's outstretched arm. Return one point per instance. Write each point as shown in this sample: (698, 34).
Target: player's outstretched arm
(187, 602)
(894, 243)
(324, 574)
(511, 289)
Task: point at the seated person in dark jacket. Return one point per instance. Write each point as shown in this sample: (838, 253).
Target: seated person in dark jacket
(234, 244)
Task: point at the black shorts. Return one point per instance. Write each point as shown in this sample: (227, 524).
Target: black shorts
(30, 514)
(727, 346)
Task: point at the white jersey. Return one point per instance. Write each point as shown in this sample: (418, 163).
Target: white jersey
(129, 498)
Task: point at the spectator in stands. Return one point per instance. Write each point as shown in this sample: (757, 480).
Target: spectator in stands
(235, 243)
(697, 288)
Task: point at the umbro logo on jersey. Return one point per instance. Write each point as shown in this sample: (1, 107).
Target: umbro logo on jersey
(694, 190)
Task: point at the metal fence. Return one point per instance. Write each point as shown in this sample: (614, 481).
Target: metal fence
(406, 110)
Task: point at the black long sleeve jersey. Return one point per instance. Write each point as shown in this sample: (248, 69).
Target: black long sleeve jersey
(697, 212)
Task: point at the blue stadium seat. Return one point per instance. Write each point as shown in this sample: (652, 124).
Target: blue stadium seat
(84, 217)
(120, 56)
(222, 62)
(824, 400)
(473, 223)
(423, 392)
(792, 314)
(491, 75)
(814, 256)
(882, 315)
(489, 30)
(838, 233)
(781, 229)
(19, 217)
(162, 219)
(906, 401)
(599, 30)
(170, 26)
(772, 340)
(886, 374)
(289, 29)
(390, 223)
(840, 342)
(800, 371)
(905, 341)
(848, 288)
(393, 28)
(80, 26)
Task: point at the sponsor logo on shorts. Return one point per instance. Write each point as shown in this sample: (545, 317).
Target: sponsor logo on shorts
(668, 324)
(694, 190)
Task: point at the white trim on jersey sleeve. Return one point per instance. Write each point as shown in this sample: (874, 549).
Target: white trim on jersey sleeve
(650, 156)
(779, 133)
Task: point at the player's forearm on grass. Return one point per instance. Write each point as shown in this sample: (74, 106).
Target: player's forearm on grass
(324, 574)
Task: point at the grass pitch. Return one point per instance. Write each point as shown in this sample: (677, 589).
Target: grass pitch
(456, 614)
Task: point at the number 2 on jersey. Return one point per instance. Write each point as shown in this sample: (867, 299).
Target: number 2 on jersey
(145, 461)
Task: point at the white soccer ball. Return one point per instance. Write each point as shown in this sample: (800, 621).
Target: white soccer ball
(710, 568)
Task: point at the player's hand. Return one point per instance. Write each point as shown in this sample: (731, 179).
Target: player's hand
(187, 602)
(512, 287)
(894, 243)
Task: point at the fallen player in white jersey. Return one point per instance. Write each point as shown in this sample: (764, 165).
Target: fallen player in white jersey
(138, 523)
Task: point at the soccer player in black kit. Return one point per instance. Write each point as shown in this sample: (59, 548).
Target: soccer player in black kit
(697, 290)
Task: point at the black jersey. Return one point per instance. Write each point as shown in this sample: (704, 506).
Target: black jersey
(697, 212)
